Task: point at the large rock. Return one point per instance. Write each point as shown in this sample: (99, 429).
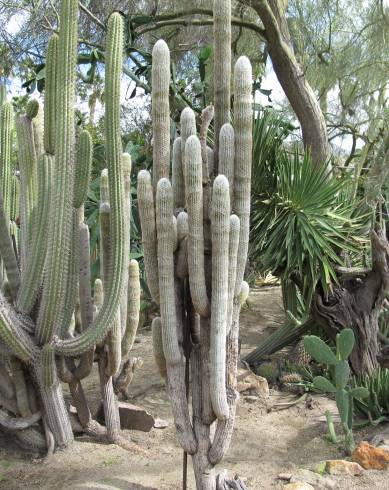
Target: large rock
(342, 467)
(298, 485)
(251, 384)
(131, 417)
(370, 457)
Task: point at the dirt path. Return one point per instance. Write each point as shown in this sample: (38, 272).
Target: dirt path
(264, 444)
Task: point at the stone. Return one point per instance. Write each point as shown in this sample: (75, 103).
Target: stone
(251, 399)
(160, 424)
(285, 476)
(247, 381)
(298, 485)
(370, 457)
(132, 417)
(342, 467)
(319, 482)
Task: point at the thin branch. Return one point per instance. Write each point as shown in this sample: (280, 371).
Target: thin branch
(179, 18)
(92, 16)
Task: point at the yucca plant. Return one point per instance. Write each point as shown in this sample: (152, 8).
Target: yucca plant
(375, 407)
(299, 222)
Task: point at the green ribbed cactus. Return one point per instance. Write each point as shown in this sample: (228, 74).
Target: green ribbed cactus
(195, 250)
(52, 327)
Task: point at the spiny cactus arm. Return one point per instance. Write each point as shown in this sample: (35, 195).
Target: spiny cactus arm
(160, 80)
(83, 169)
(194, 187)
(86, 302)
(50, 94)
(18, 423)
(164, 213)
(178, 176)
(65, 320)
(15, 198)
(32, 277)
(127, 164)
(243, 117)
(104, 186)
(227, 156)
(220, 239)
(224, 428)
(149, 233)
(32, 108)
(174, 233)
(47, 365)
(159, 357)
(37, 127)
(115, 284)
(188, 128)
(111, 412)
(114, 351)
(177, 395)
(221, 67)
(60, 239)
(13, 334)
(211, 161)
(181, 258)
(114, 335)
(7, 253)
(21, 390)
(232, 261)
(3, 94)
(206, 119)
(6, 116)
(133, 307)
(98, 296)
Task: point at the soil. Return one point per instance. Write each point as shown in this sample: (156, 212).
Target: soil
(265, 443)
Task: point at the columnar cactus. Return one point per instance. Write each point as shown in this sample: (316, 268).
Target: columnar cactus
(52, 328)
(196, 249)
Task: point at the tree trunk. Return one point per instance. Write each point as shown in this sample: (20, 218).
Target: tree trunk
(291, 77)
(356, 304)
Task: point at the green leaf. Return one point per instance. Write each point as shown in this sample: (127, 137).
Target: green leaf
(342, 374)
(323, 384)
(319, 350)
(360, 392)
(342, 402)
(345, 341)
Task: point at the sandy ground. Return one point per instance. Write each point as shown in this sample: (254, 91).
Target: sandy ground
(264, 444)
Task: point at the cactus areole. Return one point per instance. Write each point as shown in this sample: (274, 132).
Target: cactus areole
(195, 225)
(52, 328)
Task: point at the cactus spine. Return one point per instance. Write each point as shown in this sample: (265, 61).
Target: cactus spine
(50, 95)
(201, 265)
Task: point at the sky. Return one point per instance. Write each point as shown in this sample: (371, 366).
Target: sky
(269, 82)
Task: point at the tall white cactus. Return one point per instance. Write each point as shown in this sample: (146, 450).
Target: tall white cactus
(196, 250)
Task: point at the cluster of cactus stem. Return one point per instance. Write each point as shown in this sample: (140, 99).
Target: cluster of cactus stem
(52, 328)
(339, 382)
(195, 228)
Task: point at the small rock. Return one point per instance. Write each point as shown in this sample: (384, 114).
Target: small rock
(160, 424)
(131, 417)
(298, 485)
(342, 467)
(248, 381)
(285, 476)
(251, 399)
(370, 457)
(317, 481)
